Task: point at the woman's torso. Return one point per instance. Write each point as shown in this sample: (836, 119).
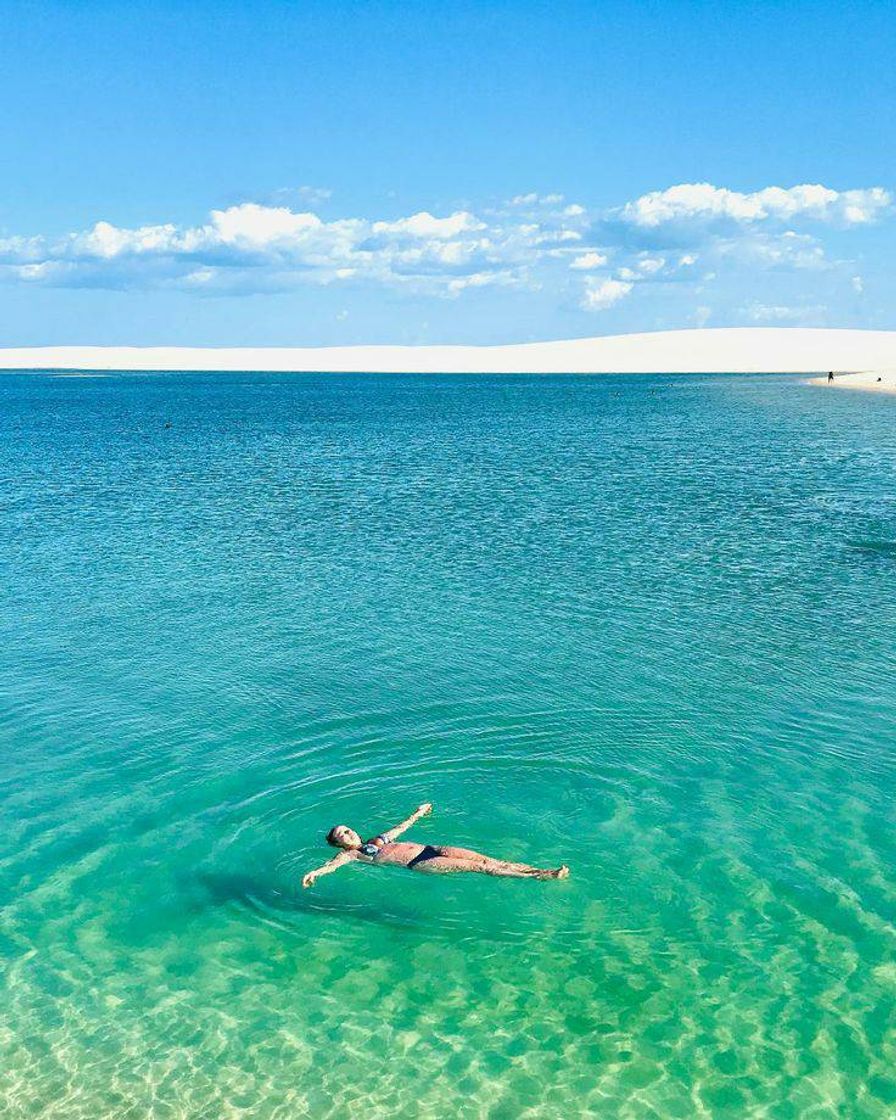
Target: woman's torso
(397, 852)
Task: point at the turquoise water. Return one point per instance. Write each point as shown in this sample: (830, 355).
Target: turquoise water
(642, 625)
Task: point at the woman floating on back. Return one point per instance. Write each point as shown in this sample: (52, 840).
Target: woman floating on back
(434, 858)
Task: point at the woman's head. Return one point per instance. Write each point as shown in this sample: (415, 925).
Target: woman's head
(341, 836)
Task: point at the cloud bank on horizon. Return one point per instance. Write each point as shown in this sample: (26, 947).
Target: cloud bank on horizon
(686, 234)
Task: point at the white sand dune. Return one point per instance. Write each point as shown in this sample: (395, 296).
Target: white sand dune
(724, 350)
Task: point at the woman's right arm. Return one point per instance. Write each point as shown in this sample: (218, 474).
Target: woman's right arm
(328, 868)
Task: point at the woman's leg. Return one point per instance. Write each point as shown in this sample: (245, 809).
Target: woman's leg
(489, 866)
(443, 864)
(504, 868)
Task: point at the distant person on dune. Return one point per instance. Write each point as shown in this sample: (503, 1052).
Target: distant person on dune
(432, 858)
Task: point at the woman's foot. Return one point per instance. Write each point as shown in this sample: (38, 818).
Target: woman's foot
(551, 873)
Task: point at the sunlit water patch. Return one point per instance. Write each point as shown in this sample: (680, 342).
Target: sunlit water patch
(641, 625)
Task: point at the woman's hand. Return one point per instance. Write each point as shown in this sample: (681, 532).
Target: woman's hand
(425, 808)
(308, 880)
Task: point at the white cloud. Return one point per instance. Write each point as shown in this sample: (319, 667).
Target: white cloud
(533, 199)
(425, 225)
(857, 284)
(588, 260)
(644, 267)
(253, 247)
(787, 250)
(200, 276)
(600, 294)
(781, 313)
(684, 234)
(482, 280)
(251, 226)
(688, 202)
(44, 271)
(308, 196)
(107, 241)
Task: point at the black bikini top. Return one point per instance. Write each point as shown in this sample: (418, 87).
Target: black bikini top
(373, 847)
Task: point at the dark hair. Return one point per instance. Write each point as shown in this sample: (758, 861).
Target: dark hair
(331, 835)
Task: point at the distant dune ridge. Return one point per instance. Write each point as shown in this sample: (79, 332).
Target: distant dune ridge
(723, 350)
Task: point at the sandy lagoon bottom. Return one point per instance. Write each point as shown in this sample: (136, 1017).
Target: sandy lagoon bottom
(640, 625)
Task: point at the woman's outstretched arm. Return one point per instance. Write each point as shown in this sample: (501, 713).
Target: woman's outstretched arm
(328, 868)
(421, 811)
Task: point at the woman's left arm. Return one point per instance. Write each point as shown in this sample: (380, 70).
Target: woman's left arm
(419, 812)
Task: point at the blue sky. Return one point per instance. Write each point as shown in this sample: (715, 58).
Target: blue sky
(323, 173)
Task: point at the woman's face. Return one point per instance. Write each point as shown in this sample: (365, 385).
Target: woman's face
(345, 837)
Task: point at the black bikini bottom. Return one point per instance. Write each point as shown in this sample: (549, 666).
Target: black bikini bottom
(428, 853)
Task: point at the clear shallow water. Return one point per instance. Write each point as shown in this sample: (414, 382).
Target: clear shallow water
(643, 625)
